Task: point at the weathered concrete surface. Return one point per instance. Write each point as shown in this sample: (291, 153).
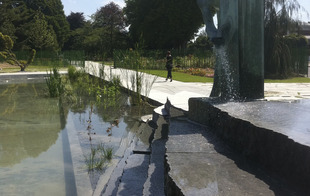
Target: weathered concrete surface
(140, 169)
(274, 135)
(199, 163)
(134, 176)
(155, 185)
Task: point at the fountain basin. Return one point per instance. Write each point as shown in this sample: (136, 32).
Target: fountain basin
(274, 135)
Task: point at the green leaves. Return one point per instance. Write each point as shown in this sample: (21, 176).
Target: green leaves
(163, 23)
(6, 45)
(279, 54)
(25, 21)
(54, 83)
(40, 35)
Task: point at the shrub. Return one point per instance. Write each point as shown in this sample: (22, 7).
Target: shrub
(54, 83)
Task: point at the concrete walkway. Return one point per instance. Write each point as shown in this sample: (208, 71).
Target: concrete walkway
(179, 92)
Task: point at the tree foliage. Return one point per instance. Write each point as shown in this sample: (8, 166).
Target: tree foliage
(109, 16)
(55, 16)
(278, 23)
(40, 35)
(112, 21)
(6, 45)
(202, 43)
(100, 36)
(76, 20)
(18, 16)
(163, 23)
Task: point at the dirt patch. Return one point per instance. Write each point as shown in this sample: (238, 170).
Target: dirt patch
(6, 65)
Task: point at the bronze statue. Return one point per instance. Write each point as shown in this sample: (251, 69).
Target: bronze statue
(238, 46)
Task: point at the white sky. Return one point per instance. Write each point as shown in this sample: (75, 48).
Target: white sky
(89, 7)
(306, 5)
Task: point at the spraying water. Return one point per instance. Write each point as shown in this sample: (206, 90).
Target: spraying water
(226, 81)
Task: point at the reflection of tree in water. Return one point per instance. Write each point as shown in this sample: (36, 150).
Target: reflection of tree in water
(97, 109)
(29, 122)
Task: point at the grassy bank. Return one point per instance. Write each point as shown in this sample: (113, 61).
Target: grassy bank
(31, 68)
(183, 77)
(290, 80)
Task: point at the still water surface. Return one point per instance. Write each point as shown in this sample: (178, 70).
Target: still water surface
(34, 155)
(31, 158)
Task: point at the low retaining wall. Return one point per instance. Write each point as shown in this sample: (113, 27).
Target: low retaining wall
(24, 77)
(274, 152)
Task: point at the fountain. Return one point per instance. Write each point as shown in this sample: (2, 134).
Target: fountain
(273, 135)
(239, 48)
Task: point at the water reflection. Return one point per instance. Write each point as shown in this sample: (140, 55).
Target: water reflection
(31, 158)
(34, 137)
(29, 123)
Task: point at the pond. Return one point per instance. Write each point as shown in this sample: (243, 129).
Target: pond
(44, 143)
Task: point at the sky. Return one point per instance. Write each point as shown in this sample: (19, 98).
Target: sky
(89, 7)
(306, 5)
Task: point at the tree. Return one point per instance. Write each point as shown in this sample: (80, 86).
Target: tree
(202, 43)
(6, 45)
(17, 16)
(163, 23)
(278, 22)
(13, 14)
(111, 18)
(78, 31)
(76, 20)
(6, 17)
(55, 16)
(40, 35)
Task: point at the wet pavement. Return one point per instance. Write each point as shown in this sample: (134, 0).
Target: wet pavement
(288, 118)
(201, 164)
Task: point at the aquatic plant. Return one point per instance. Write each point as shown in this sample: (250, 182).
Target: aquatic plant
(135, 73)
(73, 74)
(108, 154)
(54, 83)
(104, 93)
(98, 158)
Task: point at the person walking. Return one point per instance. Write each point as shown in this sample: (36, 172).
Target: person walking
(169, 65)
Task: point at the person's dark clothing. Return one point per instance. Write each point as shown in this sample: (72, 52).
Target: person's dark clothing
(169, 66)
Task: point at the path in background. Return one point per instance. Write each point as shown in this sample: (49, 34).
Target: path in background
(179, 92)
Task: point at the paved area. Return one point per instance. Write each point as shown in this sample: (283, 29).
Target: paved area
(201, 164)
(179, 92)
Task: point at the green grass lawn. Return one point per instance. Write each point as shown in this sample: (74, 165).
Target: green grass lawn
(190, 78)
(290, 80)
(183, 77)
(30, 68)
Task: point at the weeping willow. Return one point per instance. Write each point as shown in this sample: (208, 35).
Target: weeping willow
(279, 23)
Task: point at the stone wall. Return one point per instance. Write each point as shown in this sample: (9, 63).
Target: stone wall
(274, 152)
